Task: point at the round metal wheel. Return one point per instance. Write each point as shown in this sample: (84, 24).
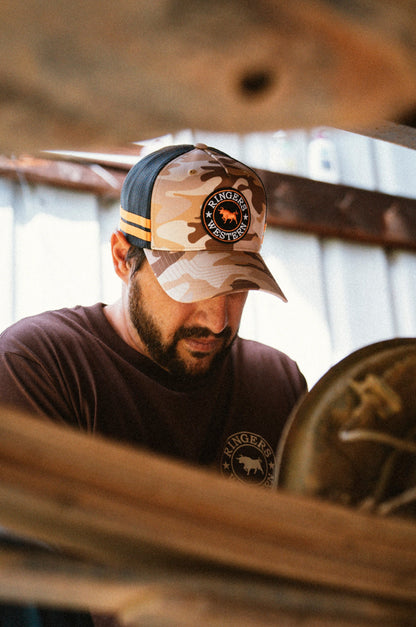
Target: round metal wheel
(352, 438)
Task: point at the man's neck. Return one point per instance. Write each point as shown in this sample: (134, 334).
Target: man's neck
(118, 318)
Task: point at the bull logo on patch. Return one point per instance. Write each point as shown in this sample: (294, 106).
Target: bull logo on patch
(225, 215)
(247, 457)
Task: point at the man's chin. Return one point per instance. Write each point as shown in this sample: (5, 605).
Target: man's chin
(197, 364)
(182, 363)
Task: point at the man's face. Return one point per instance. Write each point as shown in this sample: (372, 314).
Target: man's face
(186, 339)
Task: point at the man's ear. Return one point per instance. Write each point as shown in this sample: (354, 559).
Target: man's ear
(119, 248)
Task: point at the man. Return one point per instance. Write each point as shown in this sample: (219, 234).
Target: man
(163, 367)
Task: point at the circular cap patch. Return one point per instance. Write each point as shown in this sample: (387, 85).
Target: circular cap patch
(225, 215)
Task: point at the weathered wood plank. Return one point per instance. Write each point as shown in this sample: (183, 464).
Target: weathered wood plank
(318, 63)
(184, 594)
(127, 508)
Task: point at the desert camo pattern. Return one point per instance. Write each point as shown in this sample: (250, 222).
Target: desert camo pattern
(180, 191)
(192, 276)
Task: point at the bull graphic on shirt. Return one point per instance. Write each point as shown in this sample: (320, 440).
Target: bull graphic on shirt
(249, 458)
(250, 464)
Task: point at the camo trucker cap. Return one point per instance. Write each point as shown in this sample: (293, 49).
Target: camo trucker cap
(200, 217)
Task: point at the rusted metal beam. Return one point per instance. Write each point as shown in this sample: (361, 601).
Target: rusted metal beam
(93, 177)
(295, 203)
(340, 211)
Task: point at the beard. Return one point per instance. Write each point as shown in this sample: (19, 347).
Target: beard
(165, 354)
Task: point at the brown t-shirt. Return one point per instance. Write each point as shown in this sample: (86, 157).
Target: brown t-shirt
(70, 365)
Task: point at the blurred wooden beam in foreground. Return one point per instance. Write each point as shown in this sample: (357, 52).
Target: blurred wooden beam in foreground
(100, 73)
(161, 536)
(186, 594)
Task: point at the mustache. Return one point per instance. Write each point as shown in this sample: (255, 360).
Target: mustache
(201, 332)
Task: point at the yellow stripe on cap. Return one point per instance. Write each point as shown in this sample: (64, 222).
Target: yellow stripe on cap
(128, 216)
(135, 230)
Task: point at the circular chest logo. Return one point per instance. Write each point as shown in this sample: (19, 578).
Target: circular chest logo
(248, 458)
(225, 215)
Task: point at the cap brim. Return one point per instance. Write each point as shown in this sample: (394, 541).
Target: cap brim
(191, 276)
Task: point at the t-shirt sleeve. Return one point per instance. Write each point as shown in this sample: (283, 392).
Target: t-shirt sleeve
(268, 383)
(31, 372)
(25, 384)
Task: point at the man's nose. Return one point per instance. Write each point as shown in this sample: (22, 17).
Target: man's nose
(213, 313)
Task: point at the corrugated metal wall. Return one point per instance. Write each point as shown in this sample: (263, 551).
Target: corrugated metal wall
(342, 295)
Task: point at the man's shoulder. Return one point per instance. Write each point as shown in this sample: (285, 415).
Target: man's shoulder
(262, 364)
(38, 328)
(254, 350)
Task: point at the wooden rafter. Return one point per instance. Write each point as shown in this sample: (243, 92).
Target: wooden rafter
(162, 534)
